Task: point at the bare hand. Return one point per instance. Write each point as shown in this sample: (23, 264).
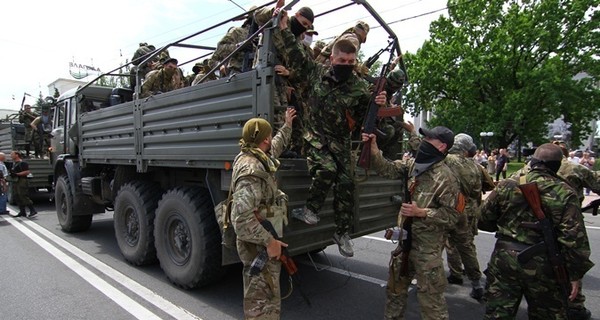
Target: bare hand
(381, 98)
(283, 21)
(290, 115)
(574, 290)
(280, 4)
(371, 136)
(281, 70)
(412, 210)
(274, 248)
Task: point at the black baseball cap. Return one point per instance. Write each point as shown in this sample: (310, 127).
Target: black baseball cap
(443, 134)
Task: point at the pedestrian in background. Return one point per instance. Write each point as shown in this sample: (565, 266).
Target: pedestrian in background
(20, 171)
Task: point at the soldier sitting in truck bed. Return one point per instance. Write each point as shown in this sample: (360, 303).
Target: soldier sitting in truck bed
(162, 80)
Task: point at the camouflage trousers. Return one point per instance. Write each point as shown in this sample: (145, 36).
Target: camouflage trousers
(328, 169)
(508, 282)
(460, 249)
(262, 295)
(427, 267)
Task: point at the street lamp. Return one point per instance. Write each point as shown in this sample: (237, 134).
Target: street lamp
(484, 137)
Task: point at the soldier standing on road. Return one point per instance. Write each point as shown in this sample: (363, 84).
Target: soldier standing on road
(503, 212)
(578, 177)
(20, 171)
(339, 100)
(253, 199)
(437, 204)
(26, 117)
(461, 239)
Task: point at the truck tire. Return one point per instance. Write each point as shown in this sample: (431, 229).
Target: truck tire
(134, 221)
(64, 198)
(188, 240)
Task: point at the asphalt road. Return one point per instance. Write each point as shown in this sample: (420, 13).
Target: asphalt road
(48, 274)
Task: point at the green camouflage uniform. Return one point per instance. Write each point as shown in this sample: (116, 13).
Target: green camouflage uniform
(227, 45)
(437, 191)
(26, 118)
(578, 177)
(507, 280)
(158, 81)
(262, 297)
(326, 51)
(328, 133)
(461, 239)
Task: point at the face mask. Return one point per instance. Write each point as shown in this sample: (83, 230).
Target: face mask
(343, 72)
(296, 27)
(307, 39)
(427, 156)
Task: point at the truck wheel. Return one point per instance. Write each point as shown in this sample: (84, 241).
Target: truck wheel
(11, 194)
(188, 241)
(134, 221)
(64, 198)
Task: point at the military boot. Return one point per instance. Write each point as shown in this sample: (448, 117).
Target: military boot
(22, 212)
(32, 211)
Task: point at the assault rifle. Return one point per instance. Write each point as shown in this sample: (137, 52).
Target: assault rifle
(404, 245)
(259, 263)
(593, 206)
(370, 125)
(549, 244)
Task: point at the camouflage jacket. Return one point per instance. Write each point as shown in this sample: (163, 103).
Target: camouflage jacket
(579, 177)
(576, 175)
(158, 82)
(228, 44)
(250, 191)
(437, 190)
(469, 177)
(506, 207)
(333, 106)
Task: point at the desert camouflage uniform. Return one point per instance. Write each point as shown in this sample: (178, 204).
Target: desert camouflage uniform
(328, 132)
(437, 191)
(461, 239)
(262, 297)
(507, 280)
(157, 81)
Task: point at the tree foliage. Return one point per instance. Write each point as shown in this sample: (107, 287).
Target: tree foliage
(508, 67)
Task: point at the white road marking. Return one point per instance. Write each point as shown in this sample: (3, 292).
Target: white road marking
(128, 304)
(147, 294)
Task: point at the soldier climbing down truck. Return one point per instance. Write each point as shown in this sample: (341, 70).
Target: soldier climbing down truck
(163, 162)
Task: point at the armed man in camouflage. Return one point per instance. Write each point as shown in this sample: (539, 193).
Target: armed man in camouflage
(461, 240)
(436, 206)
(253, 199)
(163, 80)
(578, 177)
(26, 116)
(504, 211)
(140, 55)
(231, 41)
(339, 101)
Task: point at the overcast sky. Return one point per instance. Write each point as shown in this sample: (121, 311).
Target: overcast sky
(40, 38)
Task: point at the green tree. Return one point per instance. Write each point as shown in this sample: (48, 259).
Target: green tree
(508, 66)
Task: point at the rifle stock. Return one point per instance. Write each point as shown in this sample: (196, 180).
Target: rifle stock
(286, 260)
(544, 224)
(364, 161)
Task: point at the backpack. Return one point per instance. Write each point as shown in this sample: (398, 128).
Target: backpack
(275, 211)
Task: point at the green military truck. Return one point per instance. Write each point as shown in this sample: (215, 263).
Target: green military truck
(162, 163)
(12, 137)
